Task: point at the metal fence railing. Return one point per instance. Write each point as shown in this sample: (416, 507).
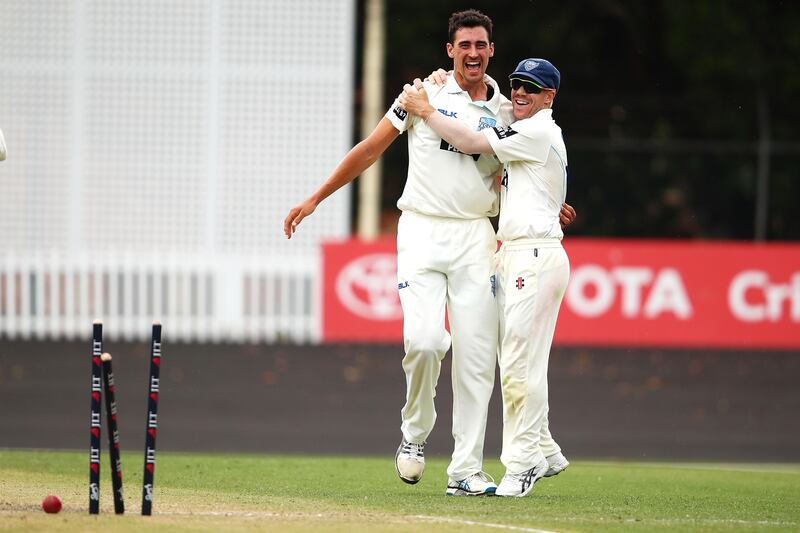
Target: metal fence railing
(48, 296)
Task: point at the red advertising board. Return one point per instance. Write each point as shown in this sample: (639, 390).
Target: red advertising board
(621, 293)
(360, 301)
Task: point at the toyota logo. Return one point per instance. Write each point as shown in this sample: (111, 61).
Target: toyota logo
(367, 287)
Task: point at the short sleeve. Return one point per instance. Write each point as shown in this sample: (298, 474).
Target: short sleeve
(400, 118)
(519, 142)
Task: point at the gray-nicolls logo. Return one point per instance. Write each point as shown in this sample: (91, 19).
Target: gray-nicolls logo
(94, 492)
(148, 492)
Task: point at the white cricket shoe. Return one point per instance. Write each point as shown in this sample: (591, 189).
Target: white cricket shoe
(2, 147)
(478, 484)
(521, 484)
(410, 461)
(557, 463)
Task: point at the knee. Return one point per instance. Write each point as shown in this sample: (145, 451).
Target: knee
(424, 345)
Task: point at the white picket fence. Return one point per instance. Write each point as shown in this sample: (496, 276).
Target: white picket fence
(196, 298)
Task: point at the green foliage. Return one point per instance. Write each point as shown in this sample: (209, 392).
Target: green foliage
(689, 85)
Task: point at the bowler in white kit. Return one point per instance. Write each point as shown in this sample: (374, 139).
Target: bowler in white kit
(445, 243)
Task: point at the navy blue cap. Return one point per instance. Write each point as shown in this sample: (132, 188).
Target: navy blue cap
(539, 71)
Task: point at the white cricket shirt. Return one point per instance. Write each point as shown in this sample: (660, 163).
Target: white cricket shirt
(441, 180)
(535, 180)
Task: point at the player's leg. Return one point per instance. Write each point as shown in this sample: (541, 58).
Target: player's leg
(556, 461)
(425, 340)
(546, 441)
(524, 391)
(554, 280)
(550, 448)
(422, 296)
(534, 284)
(472, 312)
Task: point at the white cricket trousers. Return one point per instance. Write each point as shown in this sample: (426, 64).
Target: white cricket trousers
(448, 262)
(532, 277)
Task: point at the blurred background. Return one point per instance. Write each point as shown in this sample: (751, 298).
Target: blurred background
(154, 149)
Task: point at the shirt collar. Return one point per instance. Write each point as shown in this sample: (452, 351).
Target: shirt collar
(493, 104)
(543, 114)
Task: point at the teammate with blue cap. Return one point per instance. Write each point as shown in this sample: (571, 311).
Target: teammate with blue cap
(532, 268)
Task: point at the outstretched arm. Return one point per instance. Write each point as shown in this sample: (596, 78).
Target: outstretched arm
(415, 101)
(357, 160)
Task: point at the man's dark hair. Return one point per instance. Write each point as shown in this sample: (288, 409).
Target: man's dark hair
(470, 18)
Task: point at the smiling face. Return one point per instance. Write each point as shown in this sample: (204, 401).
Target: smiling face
(470, 51)
(526, 104)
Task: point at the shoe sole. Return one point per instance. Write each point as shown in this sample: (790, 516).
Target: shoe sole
(555, 472)
(406, 480)
(452, 491)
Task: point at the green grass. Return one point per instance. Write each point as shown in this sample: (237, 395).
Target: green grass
(197, 492)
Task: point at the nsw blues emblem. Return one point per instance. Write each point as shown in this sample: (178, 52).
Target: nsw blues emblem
(486, 122)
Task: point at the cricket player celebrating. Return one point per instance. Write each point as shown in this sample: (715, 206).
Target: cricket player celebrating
(532, 266)
(445, 244)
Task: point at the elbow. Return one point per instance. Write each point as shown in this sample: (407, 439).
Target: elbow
(370, 156)
(364, 153)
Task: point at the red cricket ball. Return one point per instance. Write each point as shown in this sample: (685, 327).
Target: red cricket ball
(51, 504)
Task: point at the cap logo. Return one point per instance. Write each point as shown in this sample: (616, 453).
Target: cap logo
(530, 65)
